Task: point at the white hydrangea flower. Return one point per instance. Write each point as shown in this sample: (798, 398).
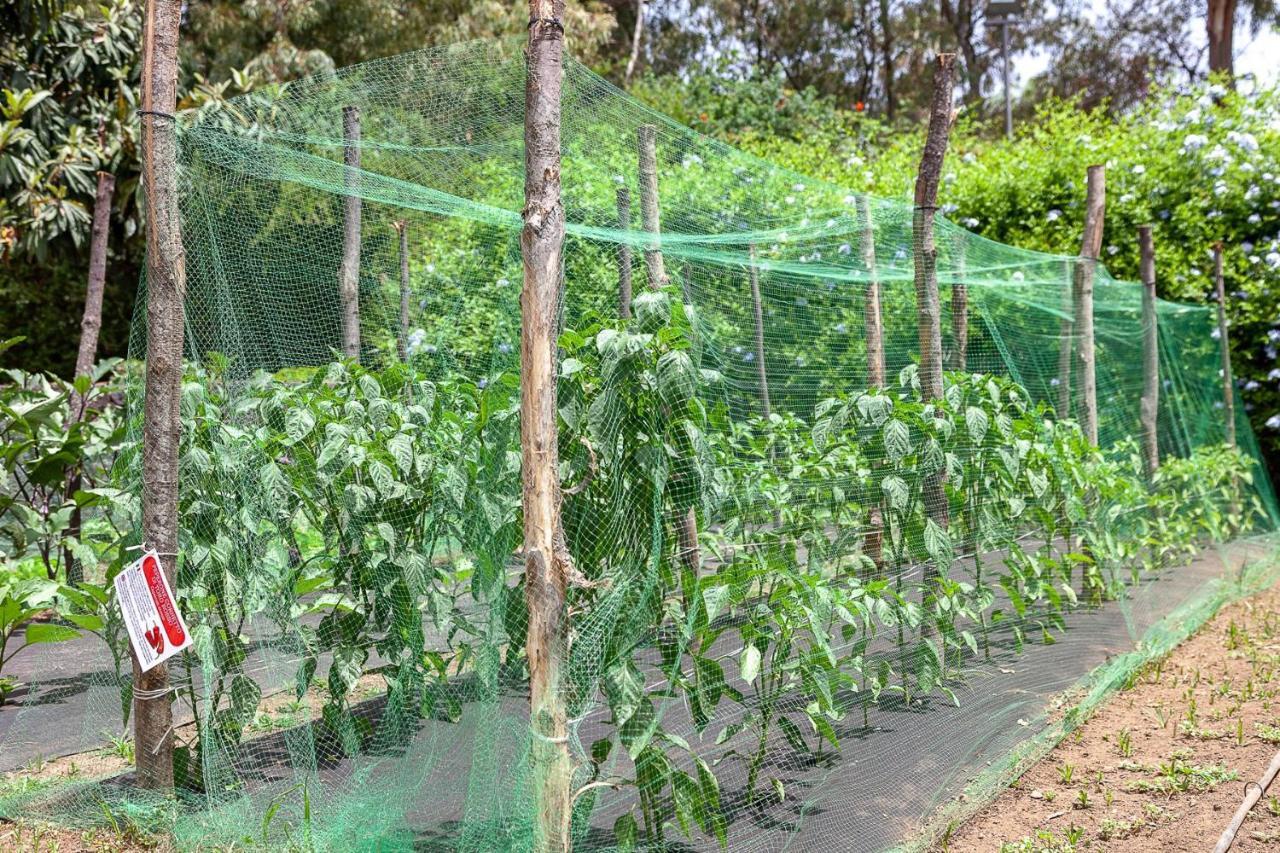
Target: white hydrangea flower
(1194, 141)
(970, 157)
(1273, 422)
(970, 222)
(1139, 169)
(1053, 215)
(1018, 276)
(1273, 260)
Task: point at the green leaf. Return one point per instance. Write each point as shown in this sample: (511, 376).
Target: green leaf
(978, 423)
(624, 688)
(626, 832)
(298, 423)
(895, 489)
(47, 632)
(897, 440)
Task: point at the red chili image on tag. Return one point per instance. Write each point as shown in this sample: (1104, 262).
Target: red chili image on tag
(169, 616)
(155, 639)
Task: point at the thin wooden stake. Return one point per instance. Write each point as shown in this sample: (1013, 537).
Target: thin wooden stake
(928, 312)
(1086, 268)
(1224, 350)
(1150, 404)
(758, 312)
(542, 245)
(874, 326)
(402, 339)
(624, 254)
(1066, 338)
(1253, 792)
(959, 316)
(651, 212)
(349, 273)
(161, 422)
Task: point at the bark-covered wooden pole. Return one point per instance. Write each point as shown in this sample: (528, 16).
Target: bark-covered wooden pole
(624, 254)
(1224, 350)
(402, 333)
(651, 213)
(874, 326)
(1150, 404)
(349, 272)
(758, 313)
(542, 246)
(161, 424)
(91, 321)
(1086, 269)
(928, 310)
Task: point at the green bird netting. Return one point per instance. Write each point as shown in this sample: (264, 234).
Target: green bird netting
(774, 641)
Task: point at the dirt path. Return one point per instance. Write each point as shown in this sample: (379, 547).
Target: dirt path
(1162, 766)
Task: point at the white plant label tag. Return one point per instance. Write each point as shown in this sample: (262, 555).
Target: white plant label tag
(156, 629)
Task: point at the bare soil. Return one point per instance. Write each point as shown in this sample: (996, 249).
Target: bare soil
(1163, 765)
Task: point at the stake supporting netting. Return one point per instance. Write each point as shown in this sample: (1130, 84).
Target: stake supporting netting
(771, 644)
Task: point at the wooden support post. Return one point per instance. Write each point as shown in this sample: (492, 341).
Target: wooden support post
(874, 326)
(91, 321)
(402, 336)
(624, 254)
(758, 311)
(1066, 337)
(349, 273)
(1086, 268)
(1224, 351)
(959, 316)
(928, 311)
(542, 246)
(161, 423)
(651, 213)
(1150, 405)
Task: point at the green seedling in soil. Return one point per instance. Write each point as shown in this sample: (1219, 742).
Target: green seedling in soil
(120, 747)
(1065, 772)
(1115, 830)
(1124, 743)
(1269, 734)
(1108, 796)
(1082, 799)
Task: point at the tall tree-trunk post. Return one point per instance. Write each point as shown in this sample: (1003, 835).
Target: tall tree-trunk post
(624, 254)
(1086, 269)
(1150, 405)
(349, 273)
(959, 316)
(928, 310)
(874, 326)
(402, 336)
(161, 423)
(1224, 350)
(91, 322)
(651, 214)
(542, 246)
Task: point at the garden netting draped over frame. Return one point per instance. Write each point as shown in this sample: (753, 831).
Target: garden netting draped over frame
(775, 641)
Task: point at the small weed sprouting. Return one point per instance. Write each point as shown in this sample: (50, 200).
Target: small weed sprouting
(1124, 743)
(1082, 799)
(119, 747)
(1269, 734)
(1065, 772)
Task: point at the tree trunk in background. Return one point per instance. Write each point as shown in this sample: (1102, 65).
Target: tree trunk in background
(161, 423)
(91, 322)
(636, 35)
(651, 212)
(1224, 350)
(1150, 404)
(886, 59)
(624, 254)
(90, 325)
(1221, 24)
(1086, 269)
(928, 310)
(349, 273)
(542, 245)
(402, 339)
